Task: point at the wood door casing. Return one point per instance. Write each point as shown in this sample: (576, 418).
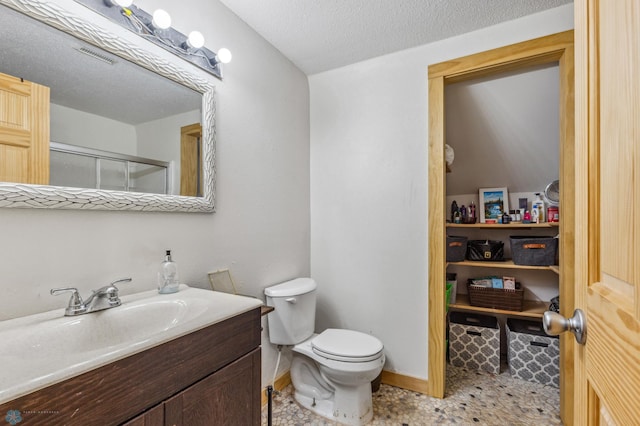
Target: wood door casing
(554, 48)
(24, 131)
(191, 160)
(607, 285)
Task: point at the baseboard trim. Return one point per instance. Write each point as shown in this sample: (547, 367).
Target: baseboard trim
(405, 382)
(388, 378)
(281, 382)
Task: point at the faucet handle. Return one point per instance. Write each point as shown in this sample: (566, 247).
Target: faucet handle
(75, 295)
(75, 302)
(121, 280)
(112, 291)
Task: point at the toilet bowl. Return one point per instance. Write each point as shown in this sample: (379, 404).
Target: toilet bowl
(337, 385)
(332, 371)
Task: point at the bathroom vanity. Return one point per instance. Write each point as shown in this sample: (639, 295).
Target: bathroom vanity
(207, 376)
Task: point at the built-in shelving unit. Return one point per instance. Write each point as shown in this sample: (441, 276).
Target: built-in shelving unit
(531, 308)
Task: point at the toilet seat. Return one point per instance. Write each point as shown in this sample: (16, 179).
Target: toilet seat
(346, 345)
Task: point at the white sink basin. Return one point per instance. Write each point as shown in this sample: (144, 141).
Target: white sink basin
(43, 349)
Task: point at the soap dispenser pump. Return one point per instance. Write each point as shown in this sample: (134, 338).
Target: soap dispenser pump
(168, 275)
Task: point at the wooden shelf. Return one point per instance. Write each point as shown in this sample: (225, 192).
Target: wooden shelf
(531, 308)
(507, 264)
(501, 226)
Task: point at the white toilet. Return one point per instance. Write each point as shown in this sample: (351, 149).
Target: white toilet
(331, 372)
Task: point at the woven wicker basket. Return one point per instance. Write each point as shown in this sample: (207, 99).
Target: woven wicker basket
(496, 298)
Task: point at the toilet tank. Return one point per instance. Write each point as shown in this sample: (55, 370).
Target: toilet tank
(293, 320)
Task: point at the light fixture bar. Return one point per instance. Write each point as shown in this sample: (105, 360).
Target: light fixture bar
(157, 29)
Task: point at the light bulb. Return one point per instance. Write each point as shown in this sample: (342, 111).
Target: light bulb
(224, 55)
(161, 19)
(195, 40)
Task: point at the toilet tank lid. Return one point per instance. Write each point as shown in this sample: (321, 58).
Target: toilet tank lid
(294, 287)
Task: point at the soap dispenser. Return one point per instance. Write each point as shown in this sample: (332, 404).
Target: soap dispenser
(168, 275)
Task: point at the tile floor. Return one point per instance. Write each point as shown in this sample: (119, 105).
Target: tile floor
(472, 398)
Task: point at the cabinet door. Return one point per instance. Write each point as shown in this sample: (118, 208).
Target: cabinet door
(153, 417)
(231, 396)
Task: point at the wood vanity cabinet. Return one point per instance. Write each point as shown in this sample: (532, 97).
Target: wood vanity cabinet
(223, 398)
(211, 376)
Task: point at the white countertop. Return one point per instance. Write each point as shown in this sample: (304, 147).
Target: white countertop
(43, 349)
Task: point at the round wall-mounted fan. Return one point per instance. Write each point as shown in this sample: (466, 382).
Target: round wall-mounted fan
(552, 193)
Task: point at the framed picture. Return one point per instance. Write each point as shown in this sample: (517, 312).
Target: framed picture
(493, 203)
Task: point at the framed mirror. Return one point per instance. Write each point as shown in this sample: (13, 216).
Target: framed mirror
(121, 127)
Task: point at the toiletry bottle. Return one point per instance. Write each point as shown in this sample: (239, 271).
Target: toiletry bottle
(168, 275)
(535, 218)
(506, 219)
(538, 205)
(472, 212)
(454, 209)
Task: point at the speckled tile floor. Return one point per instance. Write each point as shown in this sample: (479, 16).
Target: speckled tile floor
(472, 398)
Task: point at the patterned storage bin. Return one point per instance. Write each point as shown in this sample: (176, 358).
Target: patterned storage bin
(533, 355)
(474, 341)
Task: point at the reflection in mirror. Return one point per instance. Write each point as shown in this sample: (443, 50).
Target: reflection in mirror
(101, 102)
(97, 120)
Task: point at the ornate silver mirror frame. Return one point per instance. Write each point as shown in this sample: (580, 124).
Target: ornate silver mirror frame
(56, 197)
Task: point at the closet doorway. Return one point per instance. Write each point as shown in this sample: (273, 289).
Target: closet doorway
(556, 48)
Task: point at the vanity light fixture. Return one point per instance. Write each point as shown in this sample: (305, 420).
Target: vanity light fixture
(157, 29)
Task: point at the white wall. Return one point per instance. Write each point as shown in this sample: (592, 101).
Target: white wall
(369, 187)
(160, 140)
(80, 128)
(261, 228)
(505, 131)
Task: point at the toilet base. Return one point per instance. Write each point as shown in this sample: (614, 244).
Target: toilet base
(354, 408)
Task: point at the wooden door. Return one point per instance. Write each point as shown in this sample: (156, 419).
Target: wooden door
(191, 160)
(607, 282)
(24, 131)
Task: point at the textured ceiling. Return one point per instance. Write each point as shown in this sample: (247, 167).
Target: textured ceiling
(319, 35)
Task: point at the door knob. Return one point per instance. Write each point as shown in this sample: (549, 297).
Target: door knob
(555, 324)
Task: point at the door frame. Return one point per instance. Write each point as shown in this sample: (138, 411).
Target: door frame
(549, 49)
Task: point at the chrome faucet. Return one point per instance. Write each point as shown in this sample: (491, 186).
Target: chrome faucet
(103, 298)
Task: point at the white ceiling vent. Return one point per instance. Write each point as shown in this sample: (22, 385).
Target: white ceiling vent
(96, 55)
